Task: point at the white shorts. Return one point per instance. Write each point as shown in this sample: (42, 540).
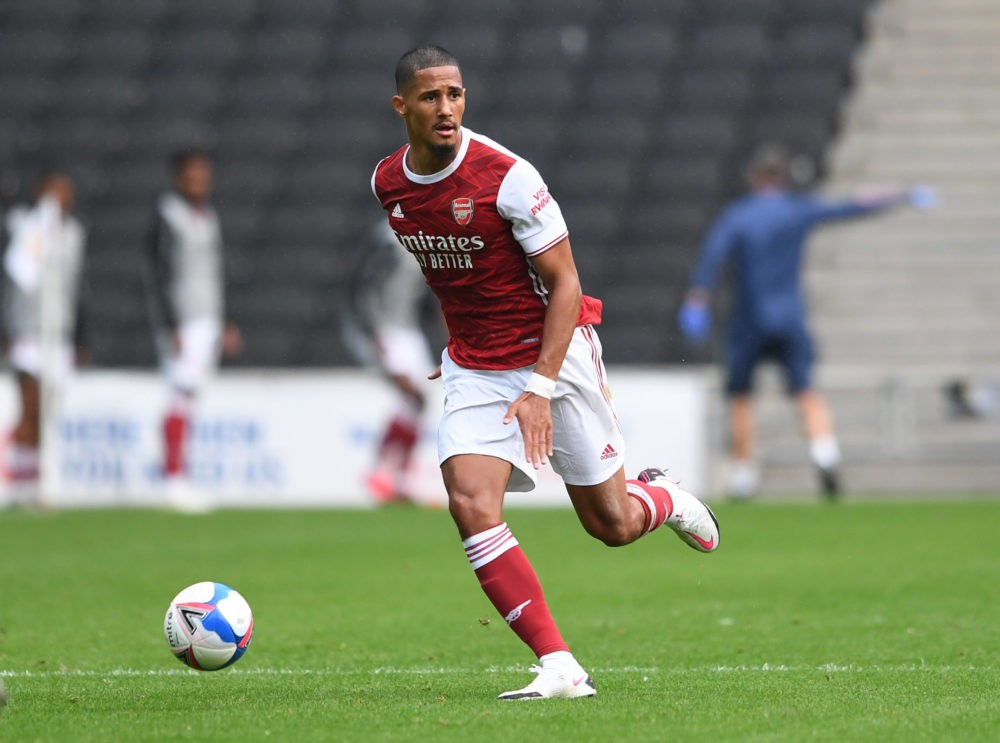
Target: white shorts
(404, 352)
(199, 354)
(588, 447)
(26, 356)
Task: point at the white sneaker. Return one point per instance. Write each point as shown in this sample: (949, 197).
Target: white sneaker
(552, 683)
(691, 519)
(184, 497)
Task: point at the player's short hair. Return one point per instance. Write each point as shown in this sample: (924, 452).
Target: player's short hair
(420, 58)
(770, 160)
(48, 177)
(180, 158)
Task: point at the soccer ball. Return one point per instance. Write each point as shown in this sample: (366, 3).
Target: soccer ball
(208, 626)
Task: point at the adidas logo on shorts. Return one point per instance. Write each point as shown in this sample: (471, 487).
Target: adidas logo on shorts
(608, 453)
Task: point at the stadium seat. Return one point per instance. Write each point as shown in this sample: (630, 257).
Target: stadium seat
(98, 93)
(43, 14)
(220, 14)
(311, 13)
(524, 89)
(402, 13)
(803, 132)
(291, 49)
(259, 136)
(822, 45)
(140, 178)
(534, 134)
(594, 224)
(744, 11)
(685, 132)
(557, 11)
(651, 11)
(23, 95)
(34, 51)
(374, 47)
(89, 137)
(297, 223)
(553, 45)
(158, 132)
(125, 52)
(245, 181)
(718, 90)
(592, 131)
(848, 12)
(195, 51)
(804, 90)
(643, 89)
(693, 175)
(476, 45)
(730, 45)
(318, 181)
(278, 93)
(683, 220)
(646, 46)
(124, 14)
(598, 175)
(174, 93)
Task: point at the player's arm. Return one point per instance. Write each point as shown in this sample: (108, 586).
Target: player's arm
(557, 270)
(161, 271)
(695, 316)
(870, 200)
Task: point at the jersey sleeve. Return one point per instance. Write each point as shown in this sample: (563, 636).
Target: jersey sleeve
(715, 249)
(524, 200)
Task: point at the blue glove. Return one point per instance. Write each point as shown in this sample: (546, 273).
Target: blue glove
(922, 197)
(695, 321)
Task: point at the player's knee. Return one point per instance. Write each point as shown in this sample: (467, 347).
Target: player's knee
(471, 514)
(612, 534)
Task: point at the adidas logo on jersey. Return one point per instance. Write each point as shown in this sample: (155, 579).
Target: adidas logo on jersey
(397, 212)
(608, 453)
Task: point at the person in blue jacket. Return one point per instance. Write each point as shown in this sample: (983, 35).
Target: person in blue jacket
(763, 235)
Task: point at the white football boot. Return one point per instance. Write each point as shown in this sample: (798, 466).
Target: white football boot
(555, 683)
(691, 519)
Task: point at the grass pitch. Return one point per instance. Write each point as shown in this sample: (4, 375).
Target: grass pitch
(850, 622)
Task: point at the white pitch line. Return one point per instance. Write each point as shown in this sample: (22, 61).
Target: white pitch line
(447, 671)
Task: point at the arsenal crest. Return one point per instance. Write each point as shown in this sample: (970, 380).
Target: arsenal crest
(461, 210)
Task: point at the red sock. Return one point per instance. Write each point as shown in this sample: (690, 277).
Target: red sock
(399, 440)
(174, 432)
(511, 584)
(656, 503)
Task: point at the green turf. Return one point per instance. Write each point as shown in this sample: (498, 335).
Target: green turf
(860, 621)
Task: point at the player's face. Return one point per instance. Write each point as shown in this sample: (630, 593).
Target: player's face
(61, 188)
(432, 107)
(194, 180)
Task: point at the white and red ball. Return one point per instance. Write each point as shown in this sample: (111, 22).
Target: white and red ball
(208, 626)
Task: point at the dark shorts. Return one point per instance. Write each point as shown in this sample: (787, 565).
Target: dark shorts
(793, 351)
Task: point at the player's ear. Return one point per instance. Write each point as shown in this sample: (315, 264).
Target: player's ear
(399, 105)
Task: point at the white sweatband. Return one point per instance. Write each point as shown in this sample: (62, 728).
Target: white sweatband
(540, 385)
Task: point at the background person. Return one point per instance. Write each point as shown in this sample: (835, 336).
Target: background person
(763, 234)
(186, 290)
(43, 237)
(382, 328)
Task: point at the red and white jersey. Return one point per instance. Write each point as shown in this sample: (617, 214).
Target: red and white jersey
(472, 227)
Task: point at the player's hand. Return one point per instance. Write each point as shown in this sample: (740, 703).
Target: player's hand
(534, 416)
(695, 320)
(436, 374)
(922, 197)
(232, 340)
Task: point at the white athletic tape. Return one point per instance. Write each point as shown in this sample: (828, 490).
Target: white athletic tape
(540, 385)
